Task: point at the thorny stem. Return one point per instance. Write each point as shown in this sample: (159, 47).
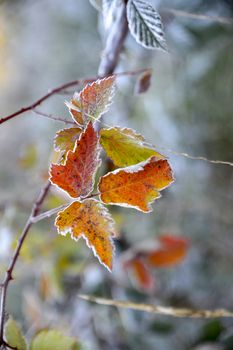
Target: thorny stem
(9, 273)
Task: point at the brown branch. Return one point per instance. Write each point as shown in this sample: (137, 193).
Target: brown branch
(159, 310)
(40, 100)
(9, 273)
(61, 88)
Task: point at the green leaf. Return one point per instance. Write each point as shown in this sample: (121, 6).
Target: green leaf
(145, 25)
(53, 340)
(14, 335)
(125, 147)
(29, 157)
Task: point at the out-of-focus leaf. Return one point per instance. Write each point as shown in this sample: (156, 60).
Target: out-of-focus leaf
(145, 25)
(76, 176)
(44, 285)
(143, 83)
(125, 147)
(29, 157)
(211, 331)
(53, 340)
(136, 186)
(142, 274)
(14, 335)
(172, 250)
(162, 327)
(91, 220)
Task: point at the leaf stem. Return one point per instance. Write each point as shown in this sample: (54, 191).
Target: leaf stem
(53, 211)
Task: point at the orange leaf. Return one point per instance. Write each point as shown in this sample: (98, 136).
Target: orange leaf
(91, 220)
(76, 176)
(142, 274)
(136, 186)
(93, 101)
(171, 252)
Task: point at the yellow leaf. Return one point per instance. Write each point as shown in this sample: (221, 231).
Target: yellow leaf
(91, 220)
(65, 139)
(125, 147)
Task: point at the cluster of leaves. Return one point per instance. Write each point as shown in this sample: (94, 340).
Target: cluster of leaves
(45, 339)
(144, 22)
(166, 251)
(143, 172)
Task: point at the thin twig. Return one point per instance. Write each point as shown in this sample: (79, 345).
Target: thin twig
(186, 155)
(53, 117)
(40, 100)
(61, 88)
(159, 310)
(48, 213)
(165, 149)
(198, 16)
(9, 273)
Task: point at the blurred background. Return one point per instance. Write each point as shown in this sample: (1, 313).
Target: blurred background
(188, 108)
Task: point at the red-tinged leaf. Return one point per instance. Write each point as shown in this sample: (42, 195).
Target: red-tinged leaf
(65, 139)
(75, 109)
(136, 186)
(91, 220)
(76, 176)
(172, 251)
(93, 101)
(143, 83)
(142, 274)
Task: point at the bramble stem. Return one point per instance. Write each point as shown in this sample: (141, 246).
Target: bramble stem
(61, 88)
(107, 66)
(9, 273)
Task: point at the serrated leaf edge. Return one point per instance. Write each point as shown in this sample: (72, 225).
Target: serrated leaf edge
(98, 150)
(134, 169)
(160, 46)
(111, 235)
